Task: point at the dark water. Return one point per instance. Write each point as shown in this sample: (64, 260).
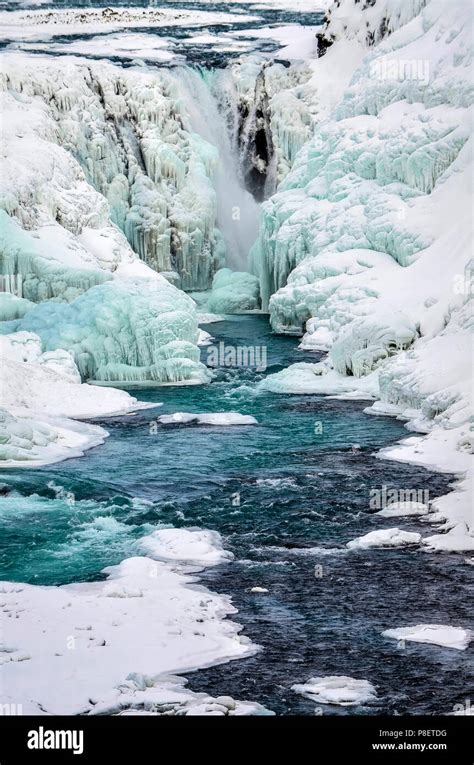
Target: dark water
(275, 492)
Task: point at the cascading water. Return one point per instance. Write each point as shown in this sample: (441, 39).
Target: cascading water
(210, 100)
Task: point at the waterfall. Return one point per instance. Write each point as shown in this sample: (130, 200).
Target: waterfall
(210, 102)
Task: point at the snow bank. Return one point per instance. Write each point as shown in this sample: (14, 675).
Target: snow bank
(337, 689)
(30, 440)
(40, 392)
(117, 637)
(437, 634)
(385, 538)
(319, 379)
(49, 383)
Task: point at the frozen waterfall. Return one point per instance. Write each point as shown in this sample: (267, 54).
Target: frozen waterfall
(211, 101)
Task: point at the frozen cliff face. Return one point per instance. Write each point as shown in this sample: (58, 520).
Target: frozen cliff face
(270, 111)
(128, 330)
(383, 175)
(368, 21)
(56, 236)
(131, 135)
(367, 243)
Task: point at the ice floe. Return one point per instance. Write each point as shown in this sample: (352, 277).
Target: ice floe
(437, 634)
(337, 689)
(207, 418)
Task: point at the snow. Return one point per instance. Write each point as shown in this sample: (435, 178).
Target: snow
(207, 418)
(437, 634)
(41, 389)
(296, 42)
(337, 689)
(319, 379)
(124, 45)
(40, 393)
(167, 695)
(193, 546)
(120, 639)
(385, 538)
(31, 440)
(396, 509)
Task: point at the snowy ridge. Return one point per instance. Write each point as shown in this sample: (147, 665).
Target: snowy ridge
(367, 243)
(368, 21)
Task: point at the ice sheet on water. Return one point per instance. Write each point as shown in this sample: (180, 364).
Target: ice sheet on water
(337, 689)
(437, 634)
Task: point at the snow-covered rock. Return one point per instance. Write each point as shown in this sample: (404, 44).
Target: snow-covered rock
(385, 538)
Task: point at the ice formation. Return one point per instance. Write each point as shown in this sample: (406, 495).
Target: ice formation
(385, 538)
(75, 297)
(366, 246)
(193, 546)
(33, 440)
(233, 291)
(128, 134)
(437, 634)
(128, 330)
(337, 689)
(40, 393)
(208, 418)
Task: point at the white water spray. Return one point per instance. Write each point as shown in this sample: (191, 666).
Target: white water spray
(210, 102)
